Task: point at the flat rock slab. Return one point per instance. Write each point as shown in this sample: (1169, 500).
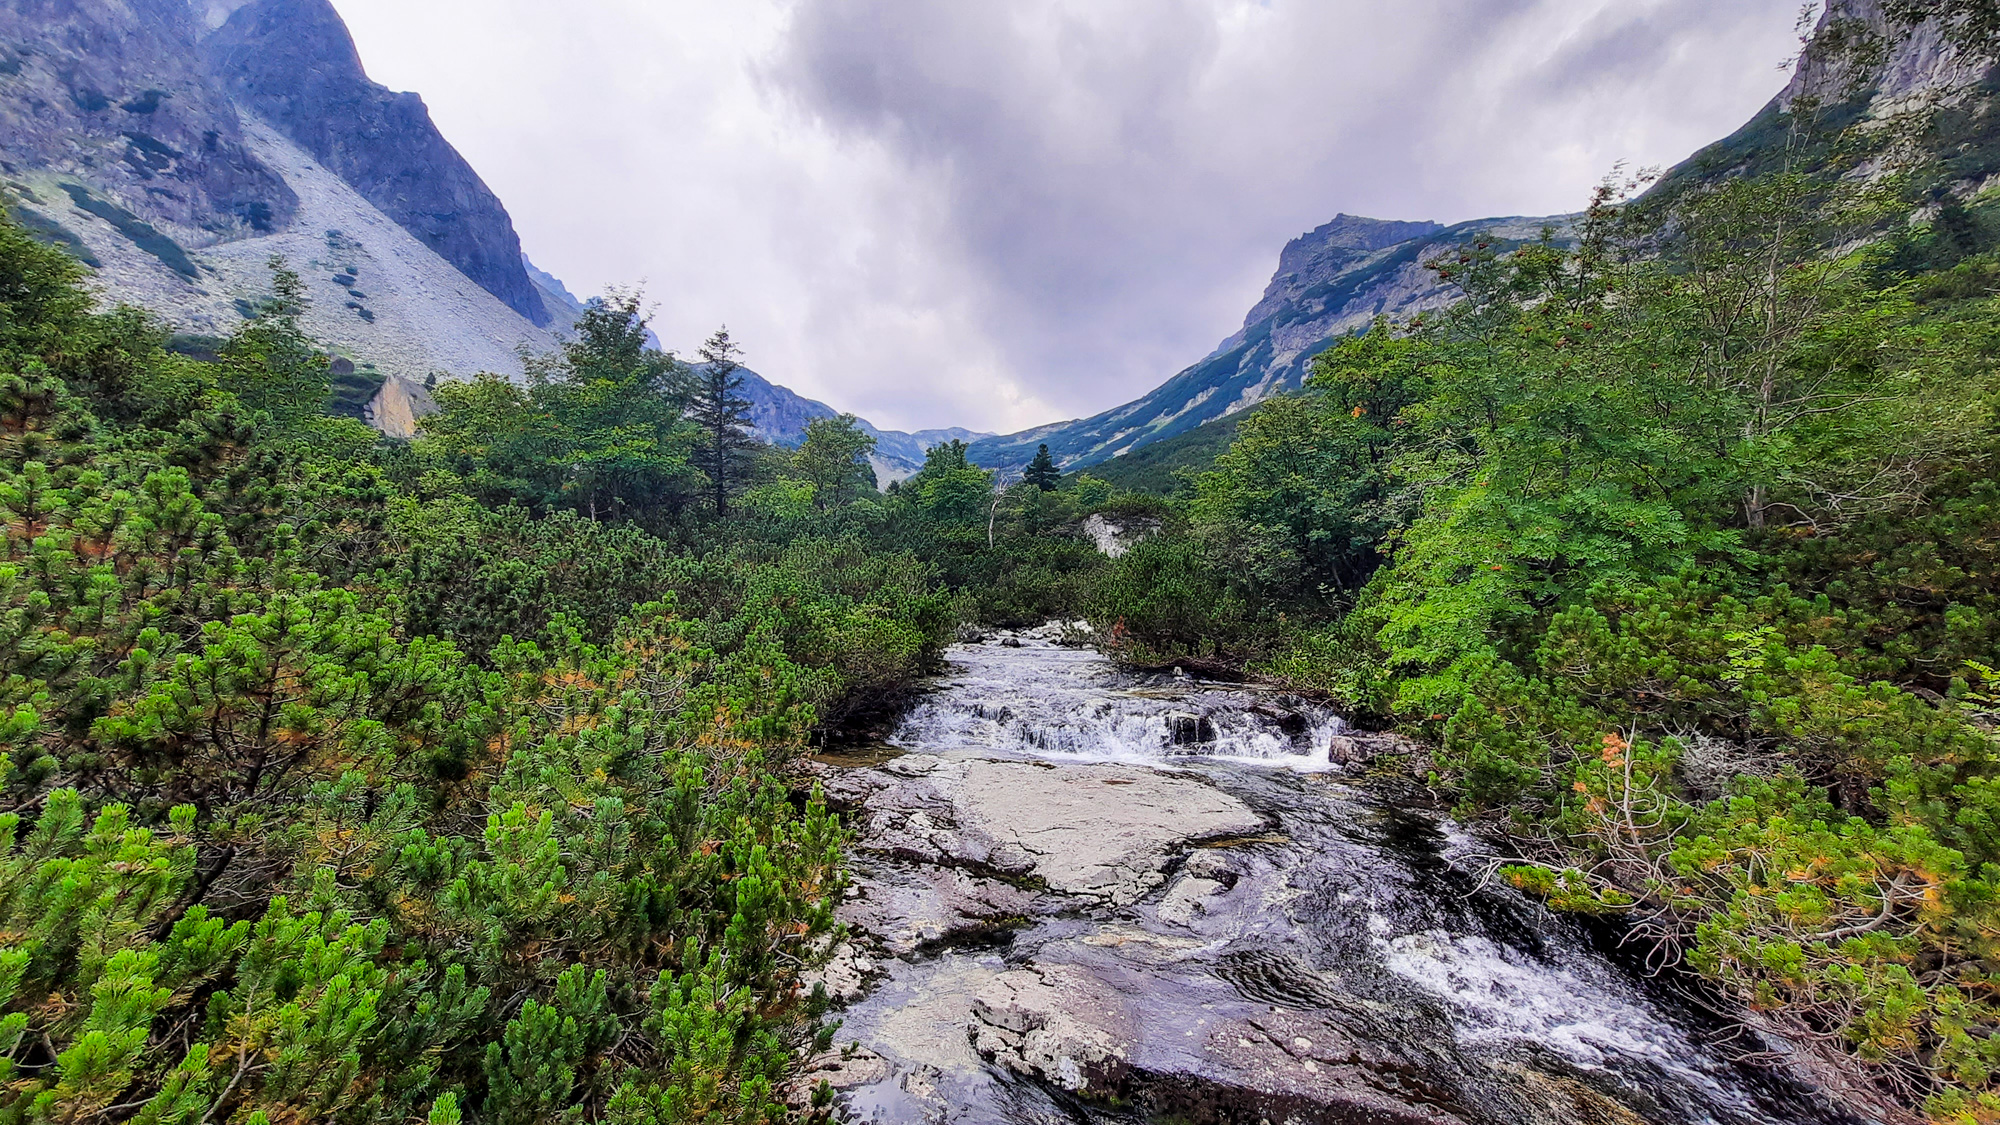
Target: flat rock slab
(908, 907)
(1102, 833)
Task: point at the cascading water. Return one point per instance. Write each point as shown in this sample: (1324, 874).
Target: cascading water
(1350, 909)
(1071, 705)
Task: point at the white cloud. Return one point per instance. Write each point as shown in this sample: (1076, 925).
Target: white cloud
(1003, 213)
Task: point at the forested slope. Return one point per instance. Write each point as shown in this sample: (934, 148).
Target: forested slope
(1676, 548)
(335, 793)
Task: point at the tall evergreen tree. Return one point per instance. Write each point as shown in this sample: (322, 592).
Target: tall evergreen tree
(718, 407)
(1042, 471)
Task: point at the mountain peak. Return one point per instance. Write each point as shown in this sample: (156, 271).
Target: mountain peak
(294, 64)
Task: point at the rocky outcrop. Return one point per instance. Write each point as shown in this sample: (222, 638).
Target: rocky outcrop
(293, 63)
(397, 407)
(177, 146)
(1115, 536)
(1071, 1025)
(1038, 825)
(1226, 982)
(1857, 49)
(112, 97)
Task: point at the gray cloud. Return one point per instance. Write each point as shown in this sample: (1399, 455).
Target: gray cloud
(1001, 213)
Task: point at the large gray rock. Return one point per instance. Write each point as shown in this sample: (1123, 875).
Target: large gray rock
(1186, 1050)
(1096, 833)
(907, 907)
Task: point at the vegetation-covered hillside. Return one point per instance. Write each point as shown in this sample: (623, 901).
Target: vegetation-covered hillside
(1677, 546)
(353, 780)
(459, 779)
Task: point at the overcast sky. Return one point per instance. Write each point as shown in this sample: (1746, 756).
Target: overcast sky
(998, 213)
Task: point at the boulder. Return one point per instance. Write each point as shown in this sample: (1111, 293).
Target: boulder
(1188, 729)
(1033, 823)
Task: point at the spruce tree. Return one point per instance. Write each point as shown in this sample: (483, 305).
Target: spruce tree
(718, 407)
(1042, 471)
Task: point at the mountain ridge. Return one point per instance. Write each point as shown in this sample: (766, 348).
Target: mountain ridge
(176, 146)
(293, 63)
(1337, 278)
(1341, 276)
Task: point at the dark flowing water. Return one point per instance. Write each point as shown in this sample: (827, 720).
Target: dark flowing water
(1353, 902)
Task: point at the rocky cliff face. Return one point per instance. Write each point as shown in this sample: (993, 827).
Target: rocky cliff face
(1856, 50)
(113, 96)
(1330, 281)
(176, 146)
(293, 63)
(1861, 68)
(118, 142)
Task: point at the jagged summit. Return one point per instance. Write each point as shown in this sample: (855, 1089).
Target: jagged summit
(293, 63)
(176, 146)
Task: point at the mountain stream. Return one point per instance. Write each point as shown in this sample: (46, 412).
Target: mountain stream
(1089, 896)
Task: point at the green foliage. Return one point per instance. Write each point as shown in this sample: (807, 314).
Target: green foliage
(834, 460)
(598, 429)
(1162, 468)
(1164, 603)
(1675, 540)
(339, 795)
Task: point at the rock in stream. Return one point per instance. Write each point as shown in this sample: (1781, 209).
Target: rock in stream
(1066, 913)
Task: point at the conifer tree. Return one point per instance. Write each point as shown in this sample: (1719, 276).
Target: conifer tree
(718, 407)
(1042, 471)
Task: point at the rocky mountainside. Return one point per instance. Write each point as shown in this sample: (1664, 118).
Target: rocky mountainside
(114, 98)
(1340, 277)
(177, 146)
(125, 138)
(1330, 281)
(293, 64)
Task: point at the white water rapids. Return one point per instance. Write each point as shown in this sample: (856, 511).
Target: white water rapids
(1071, 705)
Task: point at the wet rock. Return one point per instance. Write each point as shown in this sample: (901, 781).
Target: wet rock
(1010, 642)
(843, 1068)
(1273, 947)
(906, 908)
(1099, 833)
(845, 975)
(1036, 1023)
(1292, 722)
(1361, 748)
(1187, 729)
(1196, 1051)
(1185, 898)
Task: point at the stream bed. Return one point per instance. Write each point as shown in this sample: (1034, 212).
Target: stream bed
(1088, 896)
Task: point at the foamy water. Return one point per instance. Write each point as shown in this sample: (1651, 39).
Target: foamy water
(1067, 704)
